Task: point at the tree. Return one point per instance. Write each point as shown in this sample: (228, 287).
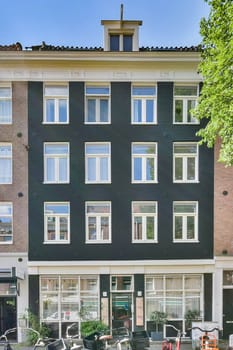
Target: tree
(216, 66)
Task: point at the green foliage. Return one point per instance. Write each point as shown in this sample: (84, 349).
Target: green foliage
(216, 67)
(159, 318)
(89, 327)
(34, 323)
(190, 316)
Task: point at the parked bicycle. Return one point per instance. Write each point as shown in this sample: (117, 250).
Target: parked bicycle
(4, 341)
(208, 340)
(167, 344)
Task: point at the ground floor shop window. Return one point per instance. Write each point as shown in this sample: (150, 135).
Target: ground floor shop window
(68, 299)
(175, 295)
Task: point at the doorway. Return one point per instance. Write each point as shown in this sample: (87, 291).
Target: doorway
(227, 312)
(122, 310)
(8, 317)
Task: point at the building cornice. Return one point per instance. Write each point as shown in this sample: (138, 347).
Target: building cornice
(103, 56)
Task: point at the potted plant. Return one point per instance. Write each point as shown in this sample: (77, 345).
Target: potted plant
(159, 318)
(190, 316)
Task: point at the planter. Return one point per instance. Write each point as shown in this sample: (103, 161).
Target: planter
(156, 336)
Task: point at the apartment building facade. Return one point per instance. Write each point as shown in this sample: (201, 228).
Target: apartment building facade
(13, 197)
(119, 195)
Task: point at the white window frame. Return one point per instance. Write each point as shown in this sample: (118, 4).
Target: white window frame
(145, 157)
(98, 217)
(6, 157)
(56, 157)
(185, 99)
(5, 119)
(7, 213)
(144, 98)
(185, 157)
(57, 98)
(185, 216)
(98, 157)
(144, 216)
(57, 216)
(121, 37)
(97, 96)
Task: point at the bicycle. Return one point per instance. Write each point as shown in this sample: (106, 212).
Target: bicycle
(167, 343)
(208, 341)
(4, 342)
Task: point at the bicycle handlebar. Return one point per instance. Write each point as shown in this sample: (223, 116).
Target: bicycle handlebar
(206, 330)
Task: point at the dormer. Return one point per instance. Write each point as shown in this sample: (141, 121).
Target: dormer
(121, 35)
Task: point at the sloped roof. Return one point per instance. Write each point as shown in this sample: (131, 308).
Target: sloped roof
(45, 47)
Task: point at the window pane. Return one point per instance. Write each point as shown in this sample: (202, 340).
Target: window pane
(137, 227)
(178, 168)
(51, 228)
(178, 227)
(97, 90)
(191, 105)
(104, 169)
(104, 228)
(92, 228)
(50, 167)
(190, 227)
(103, 110)
(137, 110)
(98, 208)
(50, 110)
(127, 42)
(5, 170)
(191, 168)
(63, 169)
(149, 111)
(63, 228)
(97, 148)
(150, 227)
(56, 149)
(5, 92)
(62, 111)
(185, 207)
(137, 169)
(144, 149)
(91, 110)
(185, 148)
(150, 173)
(144, 207)
(55, 90)
(91, 164)
(114, 43)
(178, 111)
(144, 90)
(185, 90)
(56, 208)
(5, 111)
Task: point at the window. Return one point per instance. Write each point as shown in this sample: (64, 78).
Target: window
(66, 299)
(185, 221)
(144, 162)
(5, 163)
(122, 283)
(56, 162)
(98, 162)
(97, 104)
(56, 104)
(121, 42)
(144, 217)
(185, 162)
(5, 105)
(185, 99)
(6, 223)
(143, 104)
(57, 222)
(98, 222)
(174, 294)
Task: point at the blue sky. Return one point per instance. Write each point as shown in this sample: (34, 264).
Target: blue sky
(77, 22)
